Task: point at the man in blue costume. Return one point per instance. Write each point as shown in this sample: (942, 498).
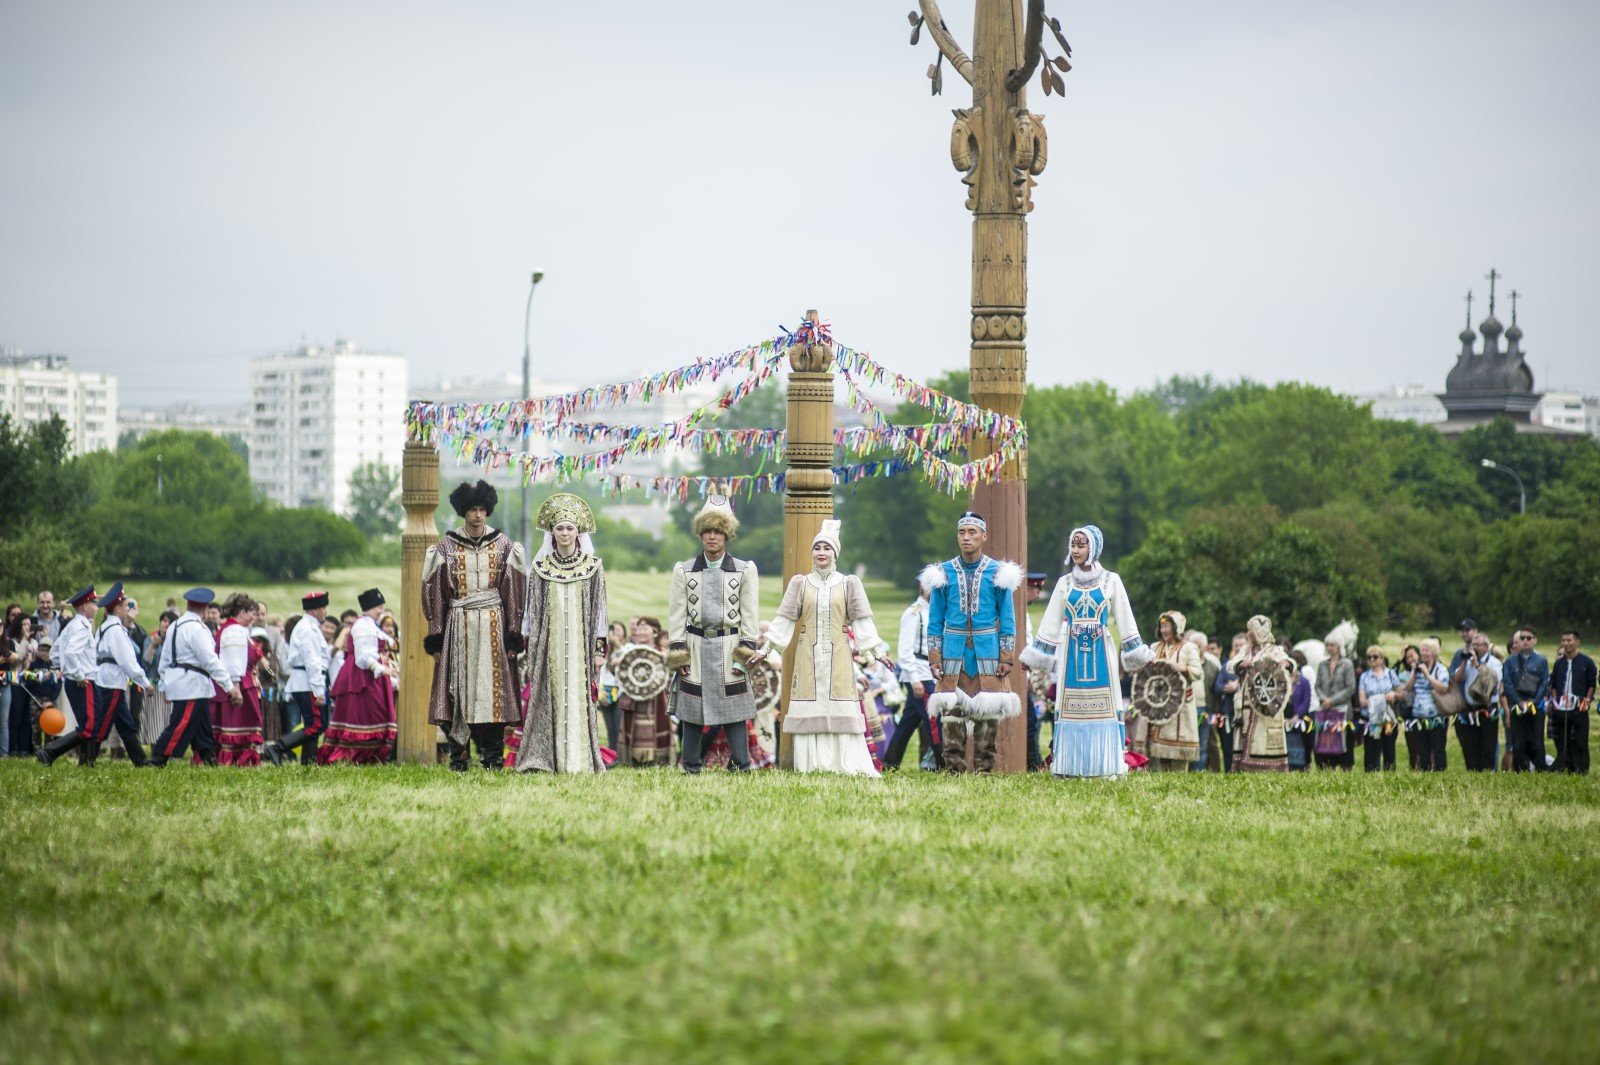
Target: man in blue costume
(972, 646)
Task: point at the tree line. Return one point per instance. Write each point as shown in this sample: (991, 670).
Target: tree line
(173, 505)
(1230, 499)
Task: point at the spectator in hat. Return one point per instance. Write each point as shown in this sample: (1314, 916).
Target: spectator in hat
(1468, 629)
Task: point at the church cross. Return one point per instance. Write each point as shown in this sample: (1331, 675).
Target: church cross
(1469, 310)
(1515, 295)
(1492, 276)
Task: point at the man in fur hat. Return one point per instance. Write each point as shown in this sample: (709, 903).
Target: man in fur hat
(474, 586)
(713, 618)
(972, 646)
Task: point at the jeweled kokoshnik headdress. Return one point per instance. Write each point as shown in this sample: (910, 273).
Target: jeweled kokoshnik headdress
(564, 506)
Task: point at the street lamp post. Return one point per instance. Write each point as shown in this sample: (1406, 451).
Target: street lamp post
(527, 384)
(1522, 493)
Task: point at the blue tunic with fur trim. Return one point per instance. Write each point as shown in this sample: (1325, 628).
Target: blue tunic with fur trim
(970, 615)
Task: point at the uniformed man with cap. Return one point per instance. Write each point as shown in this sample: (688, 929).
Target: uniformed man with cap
(74, 656)
(116, 667)
(189, 664)
(307, 683)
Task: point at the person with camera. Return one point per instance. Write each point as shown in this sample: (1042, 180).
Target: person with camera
(1572, 684)
(1476, 728)
(1428, 680)
(1526, 677)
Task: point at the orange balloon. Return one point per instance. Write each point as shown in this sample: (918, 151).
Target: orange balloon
(52, 721)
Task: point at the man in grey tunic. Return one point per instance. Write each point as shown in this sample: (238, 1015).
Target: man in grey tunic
(712, 620)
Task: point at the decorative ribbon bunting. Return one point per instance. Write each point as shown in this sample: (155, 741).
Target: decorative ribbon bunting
(494, 435)
(32, 676)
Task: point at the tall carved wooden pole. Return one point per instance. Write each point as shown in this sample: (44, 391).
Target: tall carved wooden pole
(999, 146)
(808, 482)
(419, 494)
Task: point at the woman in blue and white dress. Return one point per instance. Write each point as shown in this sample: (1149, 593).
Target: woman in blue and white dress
(1075, 644)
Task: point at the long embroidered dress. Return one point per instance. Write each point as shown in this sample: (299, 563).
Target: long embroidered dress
(565, 627)
(825, 715)
(238, 728)
(361, 725)
(1175, 743)
(1075, 641)
(1266, 684)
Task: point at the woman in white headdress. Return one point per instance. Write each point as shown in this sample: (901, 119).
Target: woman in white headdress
(565, 626)
(1075, 645)
(824, 716)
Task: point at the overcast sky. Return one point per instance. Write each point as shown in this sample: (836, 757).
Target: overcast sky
(1278, 190)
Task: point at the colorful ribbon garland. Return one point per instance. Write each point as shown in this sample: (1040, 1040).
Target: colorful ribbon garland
(481, 433)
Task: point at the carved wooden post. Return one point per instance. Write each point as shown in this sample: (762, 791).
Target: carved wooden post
(1000, 146)
(419, 494)
(808, 482)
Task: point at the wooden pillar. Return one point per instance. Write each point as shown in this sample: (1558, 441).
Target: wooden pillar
(999, 146)
(419, 494)
(808, 481)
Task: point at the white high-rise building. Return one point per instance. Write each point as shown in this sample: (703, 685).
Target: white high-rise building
(33, 387)
(320, 412)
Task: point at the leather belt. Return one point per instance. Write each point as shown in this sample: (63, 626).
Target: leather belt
(712, 630)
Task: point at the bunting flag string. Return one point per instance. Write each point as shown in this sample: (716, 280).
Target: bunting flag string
(32, 676)
(494, 435)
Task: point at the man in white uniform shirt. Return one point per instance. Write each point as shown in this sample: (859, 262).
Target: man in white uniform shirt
(911, 652)
(307, 683)
(74, 656)
(116, 667)
(189, 664)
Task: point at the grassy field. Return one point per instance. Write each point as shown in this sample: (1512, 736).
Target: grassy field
(409, 914)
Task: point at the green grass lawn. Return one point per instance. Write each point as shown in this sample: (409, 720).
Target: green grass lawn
(409, 914)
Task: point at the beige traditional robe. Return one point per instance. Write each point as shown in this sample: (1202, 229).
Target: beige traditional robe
(1178, 738)
(825, 716)
(813, 614)
(1266, 683)
(473, 596)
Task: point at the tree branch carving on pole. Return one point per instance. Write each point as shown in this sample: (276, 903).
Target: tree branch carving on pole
(1031, 42)
(943, 40)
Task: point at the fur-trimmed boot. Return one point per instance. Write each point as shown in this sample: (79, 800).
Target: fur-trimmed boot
(985, 738)
(953, 744)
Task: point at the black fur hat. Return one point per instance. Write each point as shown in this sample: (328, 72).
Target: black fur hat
(468, 495)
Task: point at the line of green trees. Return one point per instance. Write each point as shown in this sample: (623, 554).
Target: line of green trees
(174, 504)
(1224, 500)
